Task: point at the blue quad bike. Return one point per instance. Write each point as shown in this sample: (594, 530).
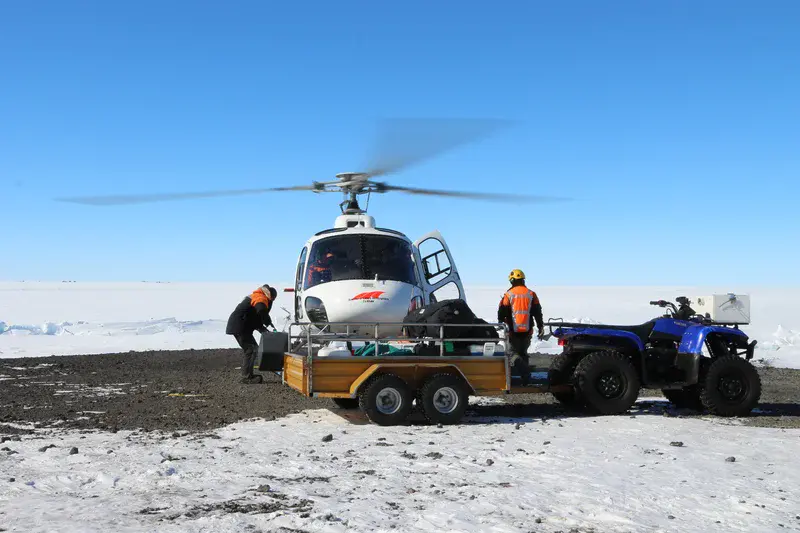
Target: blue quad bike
(697, 364)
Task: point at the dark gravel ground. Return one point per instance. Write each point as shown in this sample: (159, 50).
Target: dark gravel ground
(197, 390)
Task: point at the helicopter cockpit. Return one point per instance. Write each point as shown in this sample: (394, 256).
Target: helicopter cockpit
(359, 257)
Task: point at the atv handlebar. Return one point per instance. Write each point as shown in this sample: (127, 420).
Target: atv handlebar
(664, 303)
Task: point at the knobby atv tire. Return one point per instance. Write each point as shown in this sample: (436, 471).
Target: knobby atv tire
(385, 386)
(560, 372)
(608, 382)
(346, 403)
(443, 398)
(731, 387)
(685, 398)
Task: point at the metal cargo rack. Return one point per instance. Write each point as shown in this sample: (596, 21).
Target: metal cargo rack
(322, 335)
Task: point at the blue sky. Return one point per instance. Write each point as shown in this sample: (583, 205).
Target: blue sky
(675, 126)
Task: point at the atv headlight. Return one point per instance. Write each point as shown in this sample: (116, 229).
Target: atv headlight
(315, 310)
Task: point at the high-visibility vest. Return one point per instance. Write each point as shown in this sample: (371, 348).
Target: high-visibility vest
(521, 304)
(322, 273)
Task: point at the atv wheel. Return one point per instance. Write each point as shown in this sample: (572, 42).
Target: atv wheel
(731, 387)
(608, 382)
(386, 399)
(346, 403)
(560, 373)
(685, 398)
(444, 399)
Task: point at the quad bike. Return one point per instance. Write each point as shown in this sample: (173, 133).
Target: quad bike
(697, 362)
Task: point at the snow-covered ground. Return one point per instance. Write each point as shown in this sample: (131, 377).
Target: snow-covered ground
(42, 319)
(605, 474)
(638, 473)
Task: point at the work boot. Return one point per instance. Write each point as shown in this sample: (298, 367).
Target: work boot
(523, 370)
(255, 378)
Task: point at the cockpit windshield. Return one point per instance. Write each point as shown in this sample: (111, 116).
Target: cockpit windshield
(359, 256)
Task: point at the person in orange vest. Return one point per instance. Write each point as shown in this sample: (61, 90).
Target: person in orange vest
(320, 272)
(252, 314)
(518, 309)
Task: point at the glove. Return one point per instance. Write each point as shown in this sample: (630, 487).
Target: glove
(540, 336)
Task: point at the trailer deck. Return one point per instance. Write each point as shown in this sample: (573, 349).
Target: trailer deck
(385, 386)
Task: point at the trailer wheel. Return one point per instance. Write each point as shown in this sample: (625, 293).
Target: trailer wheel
(386, 399)
(608, 382)
(560, 373)
(444, 399)
(346, 403)
(731, 387)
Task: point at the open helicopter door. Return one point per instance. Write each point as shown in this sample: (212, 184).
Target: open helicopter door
(437, 270)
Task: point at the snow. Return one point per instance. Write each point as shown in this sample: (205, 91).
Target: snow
(606, 474)
(610, 474)
(50, 318)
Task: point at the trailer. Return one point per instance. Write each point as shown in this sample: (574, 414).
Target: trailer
(388, 376)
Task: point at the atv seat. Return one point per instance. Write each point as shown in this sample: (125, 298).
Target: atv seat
(642, 330)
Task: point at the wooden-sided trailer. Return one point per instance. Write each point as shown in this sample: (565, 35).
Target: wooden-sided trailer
(385, 386)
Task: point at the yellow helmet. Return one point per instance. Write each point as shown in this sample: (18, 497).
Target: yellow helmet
(516, 274)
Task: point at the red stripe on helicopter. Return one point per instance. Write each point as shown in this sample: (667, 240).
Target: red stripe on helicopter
(367, 295)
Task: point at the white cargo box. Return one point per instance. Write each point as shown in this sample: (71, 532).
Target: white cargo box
(723, 308)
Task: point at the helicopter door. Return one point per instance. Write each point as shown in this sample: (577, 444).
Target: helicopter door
(438, 272)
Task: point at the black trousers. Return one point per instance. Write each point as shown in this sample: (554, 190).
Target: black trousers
(250, 348)
(520, 342)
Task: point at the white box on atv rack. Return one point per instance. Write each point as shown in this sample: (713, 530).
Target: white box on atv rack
(723, 308)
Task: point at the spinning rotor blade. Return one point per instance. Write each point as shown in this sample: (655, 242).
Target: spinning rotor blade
(473, 195)
(404, 142)
(147, 198)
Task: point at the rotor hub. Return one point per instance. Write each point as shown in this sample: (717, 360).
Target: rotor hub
(352, 176)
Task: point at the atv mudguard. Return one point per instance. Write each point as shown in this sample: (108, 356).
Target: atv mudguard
(694, 338)
(600, 336)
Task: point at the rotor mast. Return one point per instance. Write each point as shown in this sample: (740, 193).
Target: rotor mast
(353, 184)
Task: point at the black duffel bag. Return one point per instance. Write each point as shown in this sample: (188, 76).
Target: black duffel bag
(417, 323)
(483, 331)
(455, 311)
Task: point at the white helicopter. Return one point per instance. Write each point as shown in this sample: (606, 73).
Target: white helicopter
(356, 272)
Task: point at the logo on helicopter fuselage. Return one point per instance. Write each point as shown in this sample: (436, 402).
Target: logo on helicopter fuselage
(369, 296)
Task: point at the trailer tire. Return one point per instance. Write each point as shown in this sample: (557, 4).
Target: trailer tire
(608, 382)
(730, 387)
(444, 399)
(346, 403)
(560, 372)
(386, 400)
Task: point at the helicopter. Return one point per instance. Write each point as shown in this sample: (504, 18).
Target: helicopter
(356, 272)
